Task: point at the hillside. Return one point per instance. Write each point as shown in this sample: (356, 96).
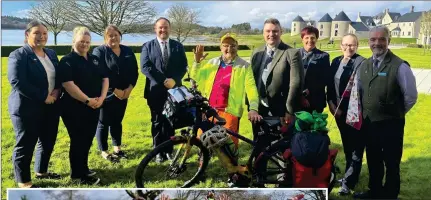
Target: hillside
(10, 22)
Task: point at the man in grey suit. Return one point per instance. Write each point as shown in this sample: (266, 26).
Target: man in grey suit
(279, 75)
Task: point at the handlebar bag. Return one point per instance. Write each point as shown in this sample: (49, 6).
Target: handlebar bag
(311, 149)
(177, 109)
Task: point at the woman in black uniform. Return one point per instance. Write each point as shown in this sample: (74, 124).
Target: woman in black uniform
(86, 85)
(122, 68)
(33, 104)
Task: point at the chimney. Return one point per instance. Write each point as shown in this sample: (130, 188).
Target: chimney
(359, 14)
(387, 10)
(412, 9)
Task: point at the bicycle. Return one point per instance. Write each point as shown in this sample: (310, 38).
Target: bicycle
(265, 165)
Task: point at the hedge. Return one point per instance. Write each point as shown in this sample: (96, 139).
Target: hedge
(63, 50)
(415, 46)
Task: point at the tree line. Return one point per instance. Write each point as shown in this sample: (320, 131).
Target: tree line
(132, 17)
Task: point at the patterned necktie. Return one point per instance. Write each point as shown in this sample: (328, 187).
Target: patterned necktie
(165, 53)
(375, 65)
(269, 58)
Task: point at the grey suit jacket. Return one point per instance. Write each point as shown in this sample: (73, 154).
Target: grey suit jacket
(286, 78)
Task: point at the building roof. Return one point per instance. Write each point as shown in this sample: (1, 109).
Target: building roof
(298, 19)
(396, 29)
(341, 17)
(409, 17)
(394, 16)
(379, 16)
(368, 20)
(359, 26)
(326, 18)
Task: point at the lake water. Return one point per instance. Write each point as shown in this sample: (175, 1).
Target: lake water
(16, 38)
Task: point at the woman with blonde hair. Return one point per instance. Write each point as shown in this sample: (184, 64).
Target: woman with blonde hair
(86, 83)
(32, 73)
(343, 69)
(122, 70)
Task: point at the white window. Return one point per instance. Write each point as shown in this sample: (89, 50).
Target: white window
(321, 33)
(410, 24)
(403, 33)
(294, 29)
(404, 24)
(410, 33)
(321, 26)
(336, 25)
(294, 24)
(336, 33)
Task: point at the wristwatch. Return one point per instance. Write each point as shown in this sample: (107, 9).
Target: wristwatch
(87, 101)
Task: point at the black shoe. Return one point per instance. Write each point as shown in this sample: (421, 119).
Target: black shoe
(91, 173)
(344, 191)
(365, 195)
(169, 156)
(49, 175)
(89, 180)
(120, 154)
(160, 158)
(111, 158)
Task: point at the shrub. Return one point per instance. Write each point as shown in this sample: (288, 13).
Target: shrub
(415, 46)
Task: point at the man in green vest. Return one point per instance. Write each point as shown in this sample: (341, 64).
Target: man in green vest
(388, 91)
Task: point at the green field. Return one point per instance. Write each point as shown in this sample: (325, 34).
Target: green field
(416, 160)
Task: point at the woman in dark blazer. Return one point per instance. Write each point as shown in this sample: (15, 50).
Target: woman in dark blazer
(342, 69)
(33, 107)
(120, 61)
(85, 83)
(316, 70)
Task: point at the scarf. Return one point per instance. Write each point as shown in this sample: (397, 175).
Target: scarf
(354, 114)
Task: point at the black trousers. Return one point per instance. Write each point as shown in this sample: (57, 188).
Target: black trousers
(384, 144)
(354, 146)
(81, 123)
(30, 131)
(110, 120)
(161, 130)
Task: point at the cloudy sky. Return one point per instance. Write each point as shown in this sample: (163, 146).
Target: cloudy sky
(226, 13)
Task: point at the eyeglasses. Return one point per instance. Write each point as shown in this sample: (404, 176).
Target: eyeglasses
(229, 45)
(349, 45)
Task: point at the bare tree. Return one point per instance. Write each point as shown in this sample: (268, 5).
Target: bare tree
(426, 27)
(183, 21)
(65, 195)
(315, 194)
(130, 16)
(51, 13)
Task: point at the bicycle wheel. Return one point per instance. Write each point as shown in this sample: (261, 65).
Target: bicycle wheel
(184, 170)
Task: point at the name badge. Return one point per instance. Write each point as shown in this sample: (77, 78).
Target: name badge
(382, 74)
(313, 62)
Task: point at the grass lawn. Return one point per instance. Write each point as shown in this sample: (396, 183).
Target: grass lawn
(137, 140)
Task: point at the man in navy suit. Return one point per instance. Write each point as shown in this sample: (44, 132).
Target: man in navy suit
(164, 63)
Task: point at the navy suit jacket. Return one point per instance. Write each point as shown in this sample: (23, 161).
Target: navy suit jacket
(29, 81)
(152, 66)
(316, 79)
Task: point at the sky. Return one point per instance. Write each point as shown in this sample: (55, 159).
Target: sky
(226, 13)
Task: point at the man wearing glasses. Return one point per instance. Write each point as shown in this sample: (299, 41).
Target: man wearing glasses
(388, 89)
(227, 80)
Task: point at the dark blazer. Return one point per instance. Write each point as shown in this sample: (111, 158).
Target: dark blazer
(316, 79)
(285, 79)
(122, 70)
(152, 66)
(29, 81)
(351, 66)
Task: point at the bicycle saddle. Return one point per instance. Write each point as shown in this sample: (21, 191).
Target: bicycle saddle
(272, 122)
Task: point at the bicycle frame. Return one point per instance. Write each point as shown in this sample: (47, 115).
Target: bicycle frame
(251, 169)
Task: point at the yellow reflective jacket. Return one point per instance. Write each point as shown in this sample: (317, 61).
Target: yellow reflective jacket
(241, 83)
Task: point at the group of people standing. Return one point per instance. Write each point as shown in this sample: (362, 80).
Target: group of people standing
(369, 98)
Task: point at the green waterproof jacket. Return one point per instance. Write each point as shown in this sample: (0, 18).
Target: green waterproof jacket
(242, 83)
